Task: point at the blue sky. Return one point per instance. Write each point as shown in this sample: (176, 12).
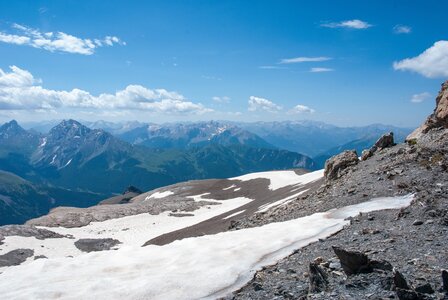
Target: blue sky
(164, 61)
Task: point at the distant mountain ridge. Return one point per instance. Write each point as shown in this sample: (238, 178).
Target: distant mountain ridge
(183, 136)
(74, 158)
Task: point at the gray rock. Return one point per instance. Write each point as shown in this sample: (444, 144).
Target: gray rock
(338, 163)
(15, 257)
(417, 222)
(90, 245)
(27, 231)
(425, 288)
(399, 281)
(445, 280)
(352, 262)
(318, 278)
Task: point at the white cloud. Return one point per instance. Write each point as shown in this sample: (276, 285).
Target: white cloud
(56, 41)
(257, 103)
(223, 99)
(402, 29)
(353, 24)
(418, 98)
(320, 70)
(302, 59)
(19, 90)
(301, 109)
(432, 63)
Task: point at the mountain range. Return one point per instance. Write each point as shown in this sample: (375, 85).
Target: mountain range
(76, 158)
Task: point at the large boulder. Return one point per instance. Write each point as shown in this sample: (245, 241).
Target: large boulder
(439, 118)
(336, 164)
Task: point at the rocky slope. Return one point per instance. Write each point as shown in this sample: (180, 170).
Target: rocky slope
(386, 255)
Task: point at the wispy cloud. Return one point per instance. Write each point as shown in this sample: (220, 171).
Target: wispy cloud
(320, 70)
(352, 24)
(221, 99)
(270, 67)
(56, 41)
(432, 63)
(302, 59)
(262, 104)
(418, 98)
(402, 29)
(19, 90)
(301, 109)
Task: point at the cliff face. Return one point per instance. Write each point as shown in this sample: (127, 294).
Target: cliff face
(439, 118)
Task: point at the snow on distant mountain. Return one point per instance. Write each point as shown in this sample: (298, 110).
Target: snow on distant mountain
(154, 244)
(188, 135)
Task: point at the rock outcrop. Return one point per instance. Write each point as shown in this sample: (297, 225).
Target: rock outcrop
(335, 165)
(385, 141)
(439, 118)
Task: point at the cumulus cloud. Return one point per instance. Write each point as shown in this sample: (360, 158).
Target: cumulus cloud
(418, 98)
(432, 63)
(301, 109)
(262, 104)
(353, 24)
(56, 41)
(320, 70)
(19, 90)
(302, 59)
(223, 99)
(402, 29)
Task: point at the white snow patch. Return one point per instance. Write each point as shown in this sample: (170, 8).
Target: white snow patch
(198, 198)
(268, 206)
(220, 263)
(67, 163)
(280, 179)
(54, 158)
(237, 189)
(230, 187)
(159, 195)
(44, 142)
(234, 214)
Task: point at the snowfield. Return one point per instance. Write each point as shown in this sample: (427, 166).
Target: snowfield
(131, 230)
(205, 267)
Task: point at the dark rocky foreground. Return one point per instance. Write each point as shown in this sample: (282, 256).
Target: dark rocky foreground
(383, 255)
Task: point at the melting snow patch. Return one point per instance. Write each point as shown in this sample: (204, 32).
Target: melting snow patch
(221, 263)
(235, 214)
(280, 179)
(230, 187)
(159, 195)
(266, 207)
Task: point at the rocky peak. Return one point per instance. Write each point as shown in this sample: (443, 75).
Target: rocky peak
(70, 127)
(438, 119)
(11, 127)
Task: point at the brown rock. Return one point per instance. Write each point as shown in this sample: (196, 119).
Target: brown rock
(385, 141)
(439, 118)
(337, 163)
